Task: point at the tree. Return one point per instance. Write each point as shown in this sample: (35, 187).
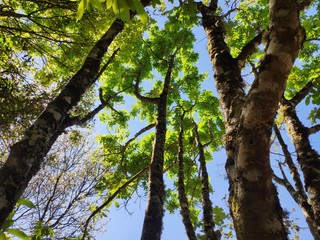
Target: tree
(248, 105)
(249, 117)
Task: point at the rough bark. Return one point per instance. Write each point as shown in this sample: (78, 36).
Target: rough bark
(308, 158)
(183, 201)
(152, 225)
(253, 198)
(205, 189)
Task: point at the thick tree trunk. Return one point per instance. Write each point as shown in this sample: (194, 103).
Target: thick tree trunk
(308, 158)
(183, 201)
(253, 198)
(206, 202)
(26, 156)
(152, 225)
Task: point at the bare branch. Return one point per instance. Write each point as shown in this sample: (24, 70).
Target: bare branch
(10, 13)
(314, 129)
(293, 169)
(312, 39)
(250, 48)
(284, 182)
(143, 130)
(230, 11)
(304, 4)
(301, 94)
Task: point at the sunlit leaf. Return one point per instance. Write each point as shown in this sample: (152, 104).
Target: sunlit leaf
(18, 233)
(26, 203)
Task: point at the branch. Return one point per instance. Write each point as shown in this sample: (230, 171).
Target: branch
(230, 11)
(80, 121)
(144, 99)
(19, 30)
(52, 196)
(113, 196)
(301, 94)
(304, 4)
(154, 54)
(312, 39)
(107, 63)
(293, 169)
(314, 129)
(143, 130)
(167, 78)
(250, 48)
(213, 5)
(10, 13)
(284, 182)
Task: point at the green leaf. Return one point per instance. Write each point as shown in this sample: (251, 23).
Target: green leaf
(26, 203)
(116, 204)
(124, 10)
(18, 233)
(97, 4)
(109, 3)
(141, 11)
(115, 8)
(80, 10)
(308, 100)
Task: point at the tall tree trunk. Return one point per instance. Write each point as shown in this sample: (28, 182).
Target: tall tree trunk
(183, 201)
(26, 156)
(152, 225)
(253, 198)
(206, 202)
(308, 158)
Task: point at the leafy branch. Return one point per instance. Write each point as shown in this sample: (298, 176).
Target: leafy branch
(112, 197)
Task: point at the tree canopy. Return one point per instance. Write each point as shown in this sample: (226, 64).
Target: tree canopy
(134, 67)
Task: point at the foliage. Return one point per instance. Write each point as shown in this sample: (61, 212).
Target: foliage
(121, 8)
(43, 44)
